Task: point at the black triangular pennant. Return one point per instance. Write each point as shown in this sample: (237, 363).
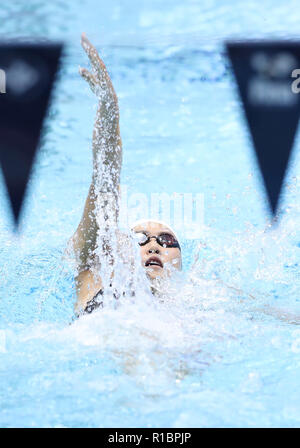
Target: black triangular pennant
(266, 74)
(27, 72)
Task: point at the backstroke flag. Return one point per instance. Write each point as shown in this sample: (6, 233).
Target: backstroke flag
(27, 73)
(268, 78)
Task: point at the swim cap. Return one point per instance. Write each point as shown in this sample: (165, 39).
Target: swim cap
(144, 221)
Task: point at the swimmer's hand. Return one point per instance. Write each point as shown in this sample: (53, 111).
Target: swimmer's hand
(106, 136)
(99, 80)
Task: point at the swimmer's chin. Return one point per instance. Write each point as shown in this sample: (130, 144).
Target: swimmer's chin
(154, 272)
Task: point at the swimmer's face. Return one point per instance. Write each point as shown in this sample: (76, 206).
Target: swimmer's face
(157, 259)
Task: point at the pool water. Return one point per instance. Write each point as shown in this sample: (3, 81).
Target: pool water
(222, 349)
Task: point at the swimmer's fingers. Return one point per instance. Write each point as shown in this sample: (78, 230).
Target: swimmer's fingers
(89, 78)
(89, 49)
(97, 64)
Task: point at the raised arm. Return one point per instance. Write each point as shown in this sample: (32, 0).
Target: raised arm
(101, 206)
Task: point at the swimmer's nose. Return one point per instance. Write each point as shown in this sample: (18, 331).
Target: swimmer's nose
(153, 249)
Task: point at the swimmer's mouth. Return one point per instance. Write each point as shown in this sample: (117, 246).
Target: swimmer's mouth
(154, 261)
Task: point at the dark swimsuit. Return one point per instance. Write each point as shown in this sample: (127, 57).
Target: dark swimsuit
(97, 302)
(94, 303)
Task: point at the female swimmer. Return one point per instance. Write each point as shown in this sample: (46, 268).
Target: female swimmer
(159, 246)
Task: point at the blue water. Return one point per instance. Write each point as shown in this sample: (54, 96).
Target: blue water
(224, 349)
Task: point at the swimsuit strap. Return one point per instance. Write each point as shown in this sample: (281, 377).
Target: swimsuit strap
(94, 303)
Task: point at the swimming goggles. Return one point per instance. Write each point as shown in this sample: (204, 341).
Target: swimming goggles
(164, 239)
